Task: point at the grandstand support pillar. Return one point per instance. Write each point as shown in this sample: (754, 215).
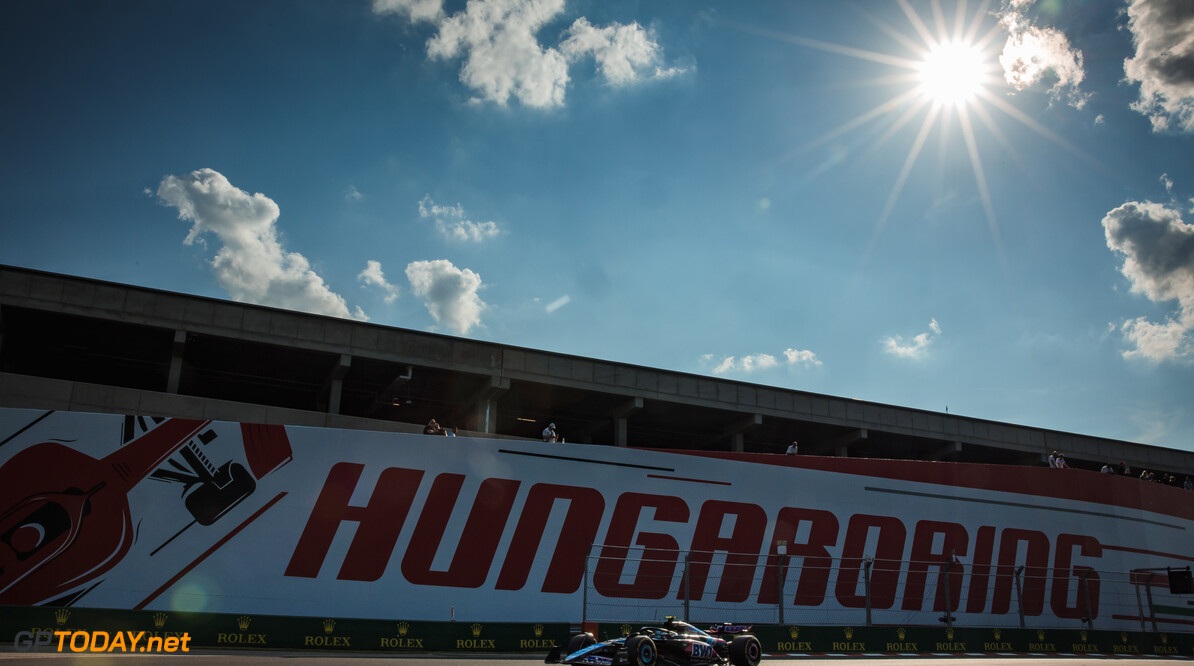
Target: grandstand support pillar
(736, 431)
(336, 379)
(180, 345)
(1, 328)
(485, 404)
(839, 444)
(947, 451)
(621, 415)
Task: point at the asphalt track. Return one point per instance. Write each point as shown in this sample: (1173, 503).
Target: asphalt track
(214, 658)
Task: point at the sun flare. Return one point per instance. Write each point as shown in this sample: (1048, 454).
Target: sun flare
(952, 73)
(949, 80)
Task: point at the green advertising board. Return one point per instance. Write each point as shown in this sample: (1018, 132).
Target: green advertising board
(77, 630)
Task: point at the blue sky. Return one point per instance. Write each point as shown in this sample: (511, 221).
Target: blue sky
(985, 208)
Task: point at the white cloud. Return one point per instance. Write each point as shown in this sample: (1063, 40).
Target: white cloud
(452, 222)
(415, 10)
(1034, 56)
(504, 59)
(450, 293)
(758, 362)
(558, 303)
(725, 366)
(753, 362)
(917, 347)
(1163, 32)
(1167, 182)
(1099, 119)
(801, 357)
(373, 275)
(744, 364)
(502, 56)
(251, 264)
(1158, 251)
(353, 194)
(1157, 342)
(625, 54)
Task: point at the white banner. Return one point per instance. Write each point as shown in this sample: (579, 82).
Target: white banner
(134, 512)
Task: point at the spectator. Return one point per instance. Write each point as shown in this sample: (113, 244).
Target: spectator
(793, 449)
(1187, 484)
(1107, 469)
(1053, 459)
(452, 432)
(1059, 460)
(1124, 469)
(433, 428)
(550, 434)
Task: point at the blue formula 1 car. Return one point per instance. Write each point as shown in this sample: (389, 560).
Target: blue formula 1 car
(674, 644)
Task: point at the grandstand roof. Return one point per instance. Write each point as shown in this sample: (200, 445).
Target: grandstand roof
(69, 343)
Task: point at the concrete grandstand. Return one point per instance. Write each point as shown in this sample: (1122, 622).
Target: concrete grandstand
(70, 343)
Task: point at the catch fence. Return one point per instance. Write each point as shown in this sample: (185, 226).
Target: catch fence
(646, 585)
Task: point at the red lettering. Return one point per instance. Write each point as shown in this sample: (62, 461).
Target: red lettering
(567, 569)
(817, 562)
(954, 541)
(478, 541)
(1036, 562)
(1087, 577)
(658, 564)
(980, 571)
(885, 576)
(741, 546)
(380, 522)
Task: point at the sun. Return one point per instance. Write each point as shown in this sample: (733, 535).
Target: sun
(947, 75)
(952, 73)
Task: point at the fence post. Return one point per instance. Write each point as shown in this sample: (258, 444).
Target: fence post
(781, 560)
(1019, 596)
(584, 589)
(1148, 591)
(866, 580)
(687, 584)
(1085, 580)
(949, 617)
(1139, 604)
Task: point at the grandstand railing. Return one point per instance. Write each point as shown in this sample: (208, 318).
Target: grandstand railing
(631, 584)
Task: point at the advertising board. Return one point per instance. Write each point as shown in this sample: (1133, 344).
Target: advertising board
(181, 515)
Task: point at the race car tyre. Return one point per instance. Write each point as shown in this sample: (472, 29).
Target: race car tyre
(640, 651)
(580, 642)
(746, 651)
